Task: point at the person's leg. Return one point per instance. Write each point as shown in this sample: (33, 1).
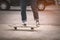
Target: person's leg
(23, 11)
(35, 10)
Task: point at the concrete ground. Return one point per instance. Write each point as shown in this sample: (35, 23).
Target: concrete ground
(49, 28)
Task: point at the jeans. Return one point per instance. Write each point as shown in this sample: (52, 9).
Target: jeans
(33, 6)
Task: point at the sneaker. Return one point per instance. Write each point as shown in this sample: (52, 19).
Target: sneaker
(24, 23)
(37, 22)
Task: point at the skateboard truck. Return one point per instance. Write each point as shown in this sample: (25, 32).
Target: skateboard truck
(15, 28)
(32, 28)
(24, 25)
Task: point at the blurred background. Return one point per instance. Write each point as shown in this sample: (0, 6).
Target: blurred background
(49, 19)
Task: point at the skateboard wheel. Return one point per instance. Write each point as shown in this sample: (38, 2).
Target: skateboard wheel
(32, 28)
(15, 28)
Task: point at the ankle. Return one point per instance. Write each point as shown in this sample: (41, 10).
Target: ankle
(37, 20)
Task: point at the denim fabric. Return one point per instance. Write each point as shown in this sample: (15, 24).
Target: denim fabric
(23, 4)
(34, 9)
(23, 9)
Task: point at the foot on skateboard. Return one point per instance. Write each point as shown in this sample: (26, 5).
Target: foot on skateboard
(37, 23)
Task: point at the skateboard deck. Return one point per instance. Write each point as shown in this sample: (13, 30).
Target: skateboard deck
(22, 26)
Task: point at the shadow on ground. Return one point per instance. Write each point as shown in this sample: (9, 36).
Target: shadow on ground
(27, 30)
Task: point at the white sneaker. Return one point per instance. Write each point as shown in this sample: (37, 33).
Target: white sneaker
(24, 23)
(37, 22)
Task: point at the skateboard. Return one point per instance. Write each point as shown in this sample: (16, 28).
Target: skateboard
(22, 26)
